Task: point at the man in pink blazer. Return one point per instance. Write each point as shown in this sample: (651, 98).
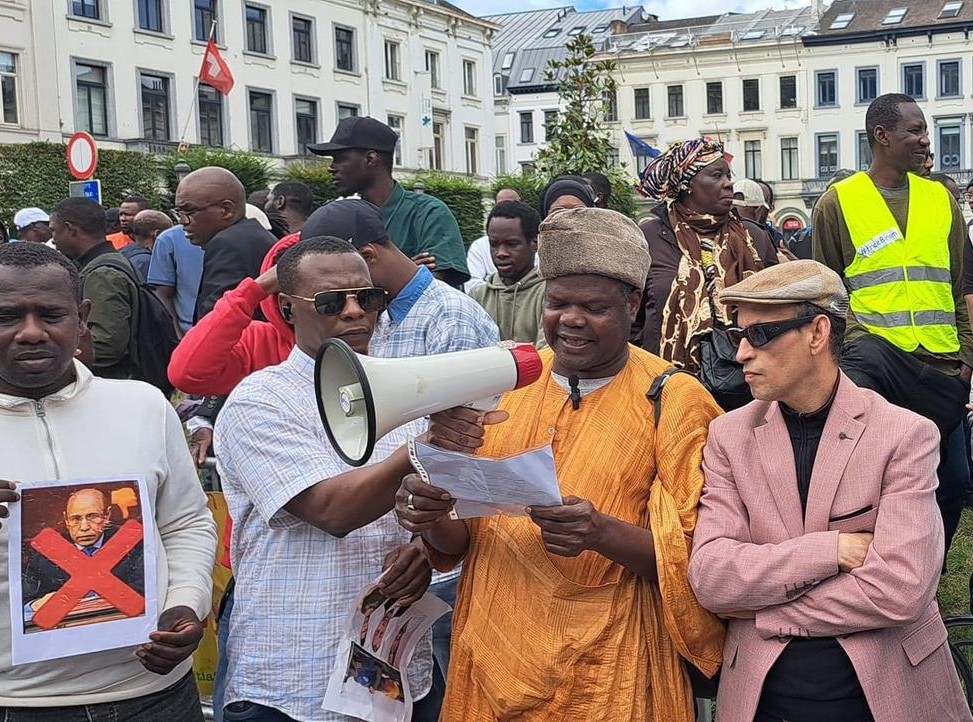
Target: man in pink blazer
(819, 538)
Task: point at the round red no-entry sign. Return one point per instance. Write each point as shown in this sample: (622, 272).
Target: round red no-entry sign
(82, 156)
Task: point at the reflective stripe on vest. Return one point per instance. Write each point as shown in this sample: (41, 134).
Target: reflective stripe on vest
(901, 288)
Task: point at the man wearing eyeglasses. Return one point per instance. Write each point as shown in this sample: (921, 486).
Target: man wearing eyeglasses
(211, 206)
(818, 536)
(309, 531)
(88, 524)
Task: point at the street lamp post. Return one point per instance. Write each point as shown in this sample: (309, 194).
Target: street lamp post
(181, 169)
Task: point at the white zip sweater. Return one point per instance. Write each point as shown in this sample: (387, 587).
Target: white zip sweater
(99, 427)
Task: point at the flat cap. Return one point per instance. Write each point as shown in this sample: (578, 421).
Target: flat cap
(593, 241)
(804, 281)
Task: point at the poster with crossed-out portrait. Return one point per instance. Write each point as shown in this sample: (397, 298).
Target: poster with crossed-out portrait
(82, 561)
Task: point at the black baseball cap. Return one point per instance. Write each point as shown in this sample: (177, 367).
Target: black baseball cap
(361, 132)
(352, 219)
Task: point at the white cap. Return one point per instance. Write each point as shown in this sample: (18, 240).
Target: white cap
(258, 215)
(25, 216)
(753, 194)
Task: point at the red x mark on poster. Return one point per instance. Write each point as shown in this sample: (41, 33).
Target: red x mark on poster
(88, 574)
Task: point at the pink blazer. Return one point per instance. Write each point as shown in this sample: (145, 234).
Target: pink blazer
(754, 555)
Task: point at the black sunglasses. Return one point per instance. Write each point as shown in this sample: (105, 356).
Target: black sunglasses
(760, 334)
(332, 303)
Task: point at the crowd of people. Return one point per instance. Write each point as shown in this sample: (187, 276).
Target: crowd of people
(762, 454)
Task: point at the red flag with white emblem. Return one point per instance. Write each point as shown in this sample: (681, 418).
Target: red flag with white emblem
(215, 72)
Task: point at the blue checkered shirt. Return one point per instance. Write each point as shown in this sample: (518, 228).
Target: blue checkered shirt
(295, 584)
(430, 317)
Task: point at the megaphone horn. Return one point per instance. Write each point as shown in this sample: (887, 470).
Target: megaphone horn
(362, 398)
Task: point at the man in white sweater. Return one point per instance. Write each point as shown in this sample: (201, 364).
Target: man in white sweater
(57, 421)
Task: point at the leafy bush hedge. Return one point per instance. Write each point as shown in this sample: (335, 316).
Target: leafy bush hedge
(317, 175)
(463, 197)
(36, 174)
(255, 172)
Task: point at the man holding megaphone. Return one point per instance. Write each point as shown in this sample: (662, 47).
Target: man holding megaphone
(581, 611)
(310, 532)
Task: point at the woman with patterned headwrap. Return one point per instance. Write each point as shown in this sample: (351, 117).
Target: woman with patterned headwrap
(698, 246)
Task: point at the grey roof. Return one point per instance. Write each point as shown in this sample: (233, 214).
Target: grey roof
(522, 34)
(864, 19)
(729, 28)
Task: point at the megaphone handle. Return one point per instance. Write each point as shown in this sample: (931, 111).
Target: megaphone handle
(423, 474)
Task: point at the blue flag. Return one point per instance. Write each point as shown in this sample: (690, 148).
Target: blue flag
(640, 147)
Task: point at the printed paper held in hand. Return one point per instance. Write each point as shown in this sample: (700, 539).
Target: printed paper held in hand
(370, 679)
(487, 487)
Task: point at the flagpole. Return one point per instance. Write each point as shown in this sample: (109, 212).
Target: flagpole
(192, 105)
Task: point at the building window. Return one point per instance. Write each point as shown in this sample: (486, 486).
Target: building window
(499, 84)
(500, 142)
(949, 150)
(508, 61)
(210, 104)
(432, 67)
(436, 152)
(550, 118)
(643, 110)
(913, 81)
(949, 79)
(675, 107)
(396, 123)
(344, 49)
(155, 106)
(472, 140)
(204, 14)
(827, 155)
(827, 88)
(8, 88)
(864, 151)
(609, 106)
(302, 37)
(789, 167)
(256, 29)
(867, 85)
(306, 117)
(150, 15)
(527, 127)
(788, 91)
(751, 95)
(641, 161)
(393, 67)
(526, 75)
(753, 162)
(347, 110)
(86, 9)
(91, 113)
(714, 98)
(261, 122)
(469, 77)
(613, 159)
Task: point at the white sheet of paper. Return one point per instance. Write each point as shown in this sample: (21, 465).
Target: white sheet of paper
(487, 487)
(370, 678)
(80, 636)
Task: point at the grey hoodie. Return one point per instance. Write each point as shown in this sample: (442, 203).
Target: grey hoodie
(516, 308)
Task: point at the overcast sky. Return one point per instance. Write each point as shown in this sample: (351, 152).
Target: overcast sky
(665, 9)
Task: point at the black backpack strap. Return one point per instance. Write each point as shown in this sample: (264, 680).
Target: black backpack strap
(654, 394)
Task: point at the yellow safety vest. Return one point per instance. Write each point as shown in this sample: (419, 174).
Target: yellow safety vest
(901, 288)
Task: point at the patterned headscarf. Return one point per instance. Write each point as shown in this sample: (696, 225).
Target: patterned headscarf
(672, 172)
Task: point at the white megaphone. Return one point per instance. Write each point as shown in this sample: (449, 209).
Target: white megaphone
(362, 398)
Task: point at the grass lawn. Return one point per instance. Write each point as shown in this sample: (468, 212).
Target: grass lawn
(954, 587)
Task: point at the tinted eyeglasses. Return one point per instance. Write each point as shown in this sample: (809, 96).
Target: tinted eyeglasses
(760, 334)
(332, 303)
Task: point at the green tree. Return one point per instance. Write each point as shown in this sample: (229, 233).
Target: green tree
(577, 139)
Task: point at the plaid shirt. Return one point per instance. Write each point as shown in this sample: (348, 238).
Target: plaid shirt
(295, 584)
(430, 317)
